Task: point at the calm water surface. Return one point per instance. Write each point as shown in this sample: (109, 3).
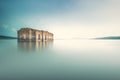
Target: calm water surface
(60, 59)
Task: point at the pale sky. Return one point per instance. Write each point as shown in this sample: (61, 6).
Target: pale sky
(64, 18)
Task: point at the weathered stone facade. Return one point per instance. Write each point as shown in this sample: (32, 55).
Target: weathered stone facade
(29, 34)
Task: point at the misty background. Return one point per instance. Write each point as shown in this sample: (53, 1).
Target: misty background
(64, 18)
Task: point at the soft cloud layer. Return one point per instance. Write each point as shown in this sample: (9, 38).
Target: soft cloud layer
(69, 18)
(88, 18)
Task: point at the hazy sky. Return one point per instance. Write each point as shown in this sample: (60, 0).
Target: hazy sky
(65, 18)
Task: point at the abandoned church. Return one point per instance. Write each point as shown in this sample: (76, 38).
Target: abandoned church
(29, 34)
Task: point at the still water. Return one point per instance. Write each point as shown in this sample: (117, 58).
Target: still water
(60, 59)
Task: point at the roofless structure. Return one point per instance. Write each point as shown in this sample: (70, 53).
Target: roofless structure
(29, 34)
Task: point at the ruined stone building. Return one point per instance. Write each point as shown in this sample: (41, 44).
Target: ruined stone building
(29, 34)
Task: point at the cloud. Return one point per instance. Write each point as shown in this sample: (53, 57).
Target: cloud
(77, 18)
(14, 30)
(5, 26)
(88, 18)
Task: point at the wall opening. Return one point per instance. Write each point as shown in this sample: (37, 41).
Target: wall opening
(38, 36)
(45, 37)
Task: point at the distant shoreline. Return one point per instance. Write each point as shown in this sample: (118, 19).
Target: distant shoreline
(6, 37)
(99, 38)
(109, 38)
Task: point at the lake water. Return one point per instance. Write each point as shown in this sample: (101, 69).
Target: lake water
(60, 59)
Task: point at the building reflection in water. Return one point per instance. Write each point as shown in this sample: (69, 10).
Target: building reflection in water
(34, 46)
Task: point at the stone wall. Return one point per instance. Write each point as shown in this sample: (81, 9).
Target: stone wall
(28, 34)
